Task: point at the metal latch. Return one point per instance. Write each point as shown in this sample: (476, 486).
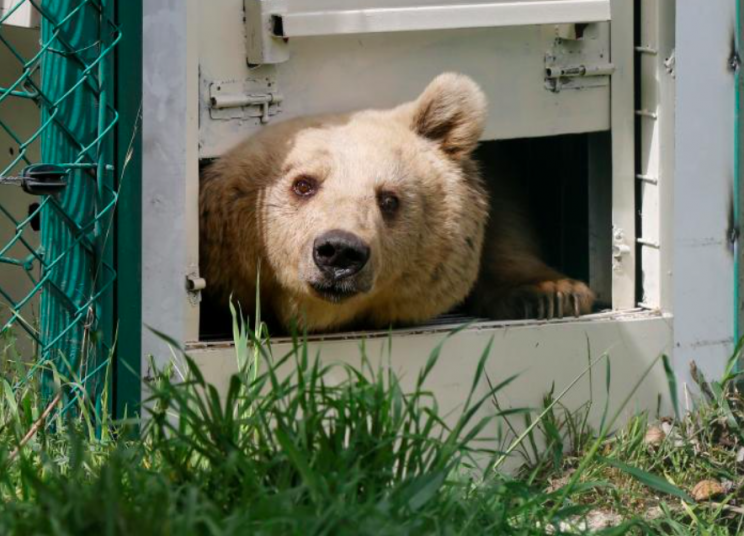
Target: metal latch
(559, 77)
(558, 71)
(578, 63)
(40, 179)
(194, 283)
(194, 286)
(244, 99)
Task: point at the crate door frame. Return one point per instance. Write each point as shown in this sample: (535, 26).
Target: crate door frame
(170, 236)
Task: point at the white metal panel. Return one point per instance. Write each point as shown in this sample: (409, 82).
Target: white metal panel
(170, 174)
(19, 13)
(347, 72)
(302, 19)
(542, 354)
(623, 159)
(703, 185)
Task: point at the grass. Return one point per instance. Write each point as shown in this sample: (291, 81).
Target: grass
(287, 451)
(679, 475)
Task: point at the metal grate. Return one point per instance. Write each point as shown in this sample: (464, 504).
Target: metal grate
(56, 288)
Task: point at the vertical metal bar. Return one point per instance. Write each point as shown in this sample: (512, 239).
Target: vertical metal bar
(600, 216)
(665, 72)
(623, 160)
(649, 117)
(656, 150)
(737, 194)
(169, 201)
(191, 206)
(127, 366)
(104, 306)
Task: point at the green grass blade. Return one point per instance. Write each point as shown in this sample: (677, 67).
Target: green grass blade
(672, 382)
(518, 441)
(300, 462)
(648, 479)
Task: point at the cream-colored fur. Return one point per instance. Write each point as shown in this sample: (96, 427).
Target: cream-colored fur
(423, 261)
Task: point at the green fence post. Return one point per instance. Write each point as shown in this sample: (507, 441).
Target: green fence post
(127, 371)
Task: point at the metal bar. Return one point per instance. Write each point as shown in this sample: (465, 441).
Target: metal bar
(648, 243)
(579, 71)
(600, 215)
(238, 101)
(104, 251)
(623, 156)
(738, 320)
(437, 17)
(650, 179)
(173, 88)
(647, 50)
(15, 181)
(647, 113)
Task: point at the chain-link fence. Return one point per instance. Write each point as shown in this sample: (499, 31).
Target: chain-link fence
(56, 132)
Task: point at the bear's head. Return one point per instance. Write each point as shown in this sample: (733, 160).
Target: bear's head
(372, 217)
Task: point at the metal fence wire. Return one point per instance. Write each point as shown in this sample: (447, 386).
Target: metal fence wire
(56, 258)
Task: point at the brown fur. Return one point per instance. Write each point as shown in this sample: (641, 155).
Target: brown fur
(424, 261)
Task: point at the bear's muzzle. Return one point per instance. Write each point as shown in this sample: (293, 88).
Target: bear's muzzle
(339, 256)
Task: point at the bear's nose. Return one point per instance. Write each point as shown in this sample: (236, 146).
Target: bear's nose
(340, 254)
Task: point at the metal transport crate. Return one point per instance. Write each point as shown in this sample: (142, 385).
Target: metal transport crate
(227, 68)
(631, 104)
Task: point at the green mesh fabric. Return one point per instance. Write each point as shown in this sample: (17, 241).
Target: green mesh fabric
(69, 78)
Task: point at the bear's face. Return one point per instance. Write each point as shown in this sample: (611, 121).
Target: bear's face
(348, 208)
(376, 215)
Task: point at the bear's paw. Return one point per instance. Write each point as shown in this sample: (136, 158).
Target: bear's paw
(552, 299)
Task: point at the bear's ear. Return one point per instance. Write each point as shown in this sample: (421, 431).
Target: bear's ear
(451, 112)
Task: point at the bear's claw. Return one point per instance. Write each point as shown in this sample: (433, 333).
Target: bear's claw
(554, 299)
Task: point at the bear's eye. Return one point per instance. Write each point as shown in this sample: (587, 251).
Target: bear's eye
(389, 203)
(305, 186)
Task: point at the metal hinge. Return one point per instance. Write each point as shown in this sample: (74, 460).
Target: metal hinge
(671, 64)
(620, 248)
(245, 99)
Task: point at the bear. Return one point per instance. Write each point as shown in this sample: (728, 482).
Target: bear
(372, 219)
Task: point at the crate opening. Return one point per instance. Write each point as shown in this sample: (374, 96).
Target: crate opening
(564, 185)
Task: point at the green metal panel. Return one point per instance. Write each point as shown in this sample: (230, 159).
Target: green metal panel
(127, 373)
(76, 311)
